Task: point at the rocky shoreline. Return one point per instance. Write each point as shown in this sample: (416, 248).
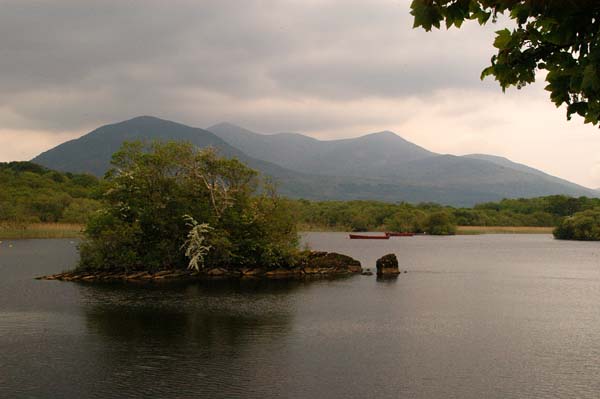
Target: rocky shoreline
(314, 264)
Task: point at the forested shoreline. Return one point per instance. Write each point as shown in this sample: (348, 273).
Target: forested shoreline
(32, 194)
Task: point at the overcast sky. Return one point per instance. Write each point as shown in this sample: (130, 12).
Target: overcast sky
(327, 68)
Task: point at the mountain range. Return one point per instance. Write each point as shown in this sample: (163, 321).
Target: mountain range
(379, 166)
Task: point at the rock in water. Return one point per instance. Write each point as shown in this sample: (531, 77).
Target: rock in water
(387, 265)
(329, 263)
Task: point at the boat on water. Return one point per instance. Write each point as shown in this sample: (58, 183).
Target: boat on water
(368, 237)
(399, 234)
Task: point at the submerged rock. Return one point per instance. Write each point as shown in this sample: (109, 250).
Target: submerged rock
(387, 265)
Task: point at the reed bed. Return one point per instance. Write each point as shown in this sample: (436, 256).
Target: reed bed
(503, 230)
(40, 230)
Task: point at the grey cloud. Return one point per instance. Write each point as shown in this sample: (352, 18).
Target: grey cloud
(69, 64)
(343, 80)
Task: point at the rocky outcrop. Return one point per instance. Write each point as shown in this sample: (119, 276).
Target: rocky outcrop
(329, 263)
(311, 264)
(387, 265)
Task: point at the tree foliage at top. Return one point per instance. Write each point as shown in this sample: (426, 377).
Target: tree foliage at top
(557, 36)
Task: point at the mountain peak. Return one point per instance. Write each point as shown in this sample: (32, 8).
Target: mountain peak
(145, 118)
(380, 165)
(385, 134)
(227, 128)
(224, 125)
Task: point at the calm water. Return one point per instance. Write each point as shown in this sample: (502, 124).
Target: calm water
(495, 316)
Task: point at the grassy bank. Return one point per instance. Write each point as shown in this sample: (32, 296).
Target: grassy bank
(503, 230)
(40, 230)
(320, 228)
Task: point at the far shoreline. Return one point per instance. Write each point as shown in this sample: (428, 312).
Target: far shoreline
(75, 230)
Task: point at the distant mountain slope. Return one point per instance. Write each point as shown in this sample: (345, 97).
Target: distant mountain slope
(379, 166)
(373, 155)
(388, 156)
(92, 152)
(508, 163)
(502, 161)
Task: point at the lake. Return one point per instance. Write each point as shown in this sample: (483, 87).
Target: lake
(491, 316)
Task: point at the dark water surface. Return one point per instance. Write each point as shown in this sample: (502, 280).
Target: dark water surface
(496, 316)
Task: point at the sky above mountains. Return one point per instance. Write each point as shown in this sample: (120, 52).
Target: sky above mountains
(328, 69)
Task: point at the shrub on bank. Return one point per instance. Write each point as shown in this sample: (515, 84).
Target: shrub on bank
(583, 226)
(440, 223)
(407, 220)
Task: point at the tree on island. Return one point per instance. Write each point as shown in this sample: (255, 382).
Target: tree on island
(560, 37)
(154, 196)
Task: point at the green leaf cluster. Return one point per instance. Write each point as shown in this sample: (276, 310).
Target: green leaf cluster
(559, 37)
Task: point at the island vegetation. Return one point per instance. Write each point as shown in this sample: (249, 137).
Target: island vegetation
(170, 210)
(171, 196)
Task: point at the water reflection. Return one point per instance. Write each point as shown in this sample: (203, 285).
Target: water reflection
(212, 314)
(206, 339)
(387, 279)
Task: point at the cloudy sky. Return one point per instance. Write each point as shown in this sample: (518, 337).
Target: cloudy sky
(325, 68)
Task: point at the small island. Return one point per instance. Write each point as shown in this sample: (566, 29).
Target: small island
(172, 211)
(312, 264)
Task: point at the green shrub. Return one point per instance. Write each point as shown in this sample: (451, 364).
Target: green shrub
(407, 220)
(440, 224)
(584, 226)
(80, 210)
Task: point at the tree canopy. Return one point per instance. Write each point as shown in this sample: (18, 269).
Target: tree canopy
(557, 36)
(154, 196)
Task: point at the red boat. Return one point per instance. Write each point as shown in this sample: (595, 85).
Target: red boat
(399, 234)
(368, 237)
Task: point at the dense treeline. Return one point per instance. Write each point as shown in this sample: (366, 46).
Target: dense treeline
(30, 193)
(372, 215)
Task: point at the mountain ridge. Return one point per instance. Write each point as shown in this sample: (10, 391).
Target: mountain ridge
(380, 166)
